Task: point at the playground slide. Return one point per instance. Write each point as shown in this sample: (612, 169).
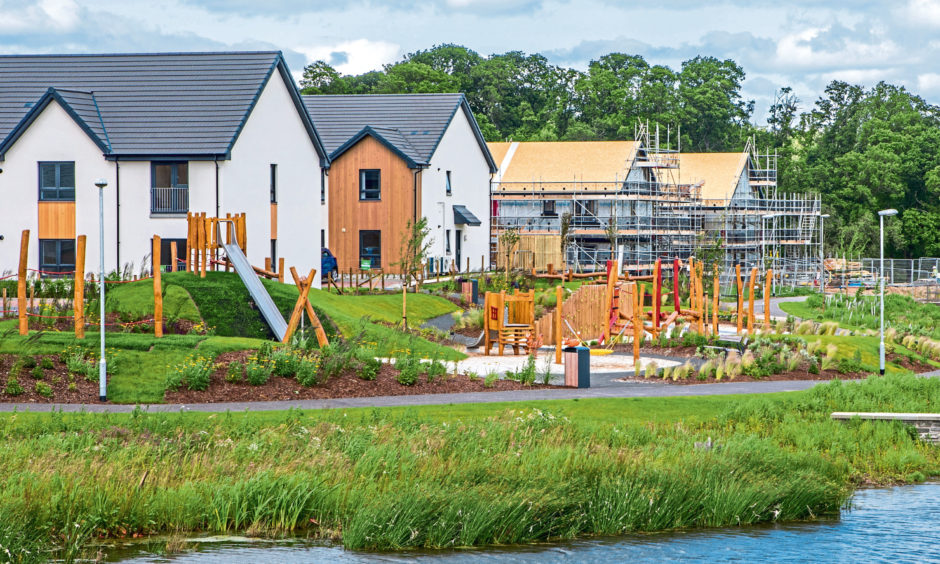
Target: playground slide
(261, 297)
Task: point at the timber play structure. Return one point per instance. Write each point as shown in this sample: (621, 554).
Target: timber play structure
(207, 249)
(624, 307)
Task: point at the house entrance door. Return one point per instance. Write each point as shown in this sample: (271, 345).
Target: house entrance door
(459, 235)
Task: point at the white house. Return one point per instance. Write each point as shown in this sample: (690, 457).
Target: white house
(171, 133)
(395, 158)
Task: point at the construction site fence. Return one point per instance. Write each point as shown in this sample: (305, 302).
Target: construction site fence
(896, 271)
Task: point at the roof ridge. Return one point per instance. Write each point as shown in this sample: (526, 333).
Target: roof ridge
(137, 54)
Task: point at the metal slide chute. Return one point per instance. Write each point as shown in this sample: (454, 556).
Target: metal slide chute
(255, 288)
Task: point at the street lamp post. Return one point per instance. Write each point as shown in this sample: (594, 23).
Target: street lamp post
(822, 253)
(102, 363)
(881, 347)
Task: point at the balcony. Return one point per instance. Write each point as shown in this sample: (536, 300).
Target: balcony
(171, 200)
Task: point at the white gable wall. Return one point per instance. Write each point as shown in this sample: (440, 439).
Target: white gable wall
(460, 153)
(275, 134)
(54, 136)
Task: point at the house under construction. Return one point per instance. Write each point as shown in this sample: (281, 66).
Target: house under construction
(640, 200)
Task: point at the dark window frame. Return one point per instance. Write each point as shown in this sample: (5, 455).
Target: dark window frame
(58, 189)
(57, 268)
(375, 258)
(322, 186)
(549, 208)
(166, 257)
(174, 183)
(364, 193)
(273, 183)
(447, 241)
(449, 187)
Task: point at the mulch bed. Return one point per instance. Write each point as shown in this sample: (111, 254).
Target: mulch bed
(57, 378)
(344, 386)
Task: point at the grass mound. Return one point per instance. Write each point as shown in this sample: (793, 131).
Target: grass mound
(136, 299)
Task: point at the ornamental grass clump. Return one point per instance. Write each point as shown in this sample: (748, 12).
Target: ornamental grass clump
(650, 370)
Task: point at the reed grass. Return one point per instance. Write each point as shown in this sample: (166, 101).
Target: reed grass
(389, 479)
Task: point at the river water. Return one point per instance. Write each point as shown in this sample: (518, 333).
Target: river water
(894, 525)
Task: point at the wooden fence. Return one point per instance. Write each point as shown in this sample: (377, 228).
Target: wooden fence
(585, 310)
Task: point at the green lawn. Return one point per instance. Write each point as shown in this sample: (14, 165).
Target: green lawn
(141, 361)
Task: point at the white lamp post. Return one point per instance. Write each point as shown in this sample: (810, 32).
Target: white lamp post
(881, 346)
(102, 363)
(822, 253)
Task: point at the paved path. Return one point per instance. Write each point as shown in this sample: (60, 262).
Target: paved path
(775, 310)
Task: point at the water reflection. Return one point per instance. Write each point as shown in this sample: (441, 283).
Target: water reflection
(884, 525)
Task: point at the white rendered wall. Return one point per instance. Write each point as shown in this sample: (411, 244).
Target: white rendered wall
(275, 134)
(54, 136)
(460, 153)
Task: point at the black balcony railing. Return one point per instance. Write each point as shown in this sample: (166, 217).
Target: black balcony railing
(169, 200)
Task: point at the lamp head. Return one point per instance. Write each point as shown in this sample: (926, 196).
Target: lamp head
(825, 216)
(101, 183)
(884, 213)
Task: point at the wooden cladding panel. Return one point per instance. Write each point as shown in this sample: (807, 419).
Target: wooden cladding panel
(273, 221)
(544, 249)
(390, 214)
(56, 220)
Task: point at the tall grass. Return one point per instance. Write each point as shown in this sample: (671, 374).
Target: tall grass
(397, 479)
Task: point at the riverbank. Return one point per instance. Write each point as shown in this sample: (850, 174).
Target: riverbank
(445, 476)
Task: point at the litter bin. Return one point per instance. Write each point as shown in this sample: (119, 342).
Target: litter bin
(474, 290)
(577, 367)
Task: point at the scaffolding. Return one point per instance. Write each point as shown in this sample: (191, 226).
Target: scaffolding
(651, 213)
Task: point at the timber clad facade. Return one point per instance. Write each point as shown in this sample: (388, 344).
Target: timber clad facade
(352, 217)
(396, 158)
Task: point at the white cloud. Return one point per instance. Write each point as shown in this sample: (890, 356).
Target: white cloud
(356, 56)
(829, 48)
(60, 15)
(929, 83)
(922, 13)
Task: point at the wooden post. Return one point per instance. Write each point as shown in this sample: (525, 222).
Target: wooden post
(740, 310)
(229, 228)
(715, 292)
(21, 282)
(482, 260)
(78, 300)
(203, 245)
(750, 302)
(559, 296)
(157, 290)
(657, 289)
(675, 285)
(299, 306)
(173, 256)
(311, 314)
(267, 263)
(767, 282)
(404, 304)
(32, 297)
(468, 264)
(700, 290)
(609, 295)
(637, 324)
(190, 241)
(280, 270)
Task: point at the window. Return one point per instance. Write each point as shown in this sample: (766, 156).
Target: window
(169, 192)
(548, 208)
(57, 182)
(273, 255)
(322, 238)
(273, 183)
(370, 184)
(447, 241)
(370, 248)
(166, 260)
(56, 256)
(322, 186)
(449, 189)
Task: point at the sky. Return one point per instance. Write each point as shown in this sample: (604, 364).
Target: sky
(798, 43)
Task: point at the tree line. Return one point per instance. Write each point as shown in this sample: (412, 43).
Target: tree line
(862, 149)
